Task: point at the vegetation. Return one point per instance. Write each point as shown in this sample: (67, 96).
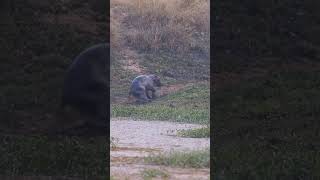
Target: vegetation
(195, 133)
(188, 105)
(113, 142)
(193, 159)
(159, 37)
(167, 25)
(148, 174)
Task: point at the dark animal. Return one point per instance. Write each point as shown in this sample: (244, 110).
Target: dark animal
(141, 87)
(86, 86)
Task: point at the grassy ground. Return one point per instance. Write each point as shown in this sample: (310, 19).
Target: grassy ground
(153, 173)
(188, 105)
(195, 133)
(194, 159)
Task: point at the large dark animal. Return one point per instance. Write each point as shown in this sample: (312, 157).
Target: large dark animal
(141, 87)
(86, 86)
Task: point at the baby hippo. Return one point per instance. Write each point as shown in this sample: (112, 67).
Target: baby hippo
(141, 87)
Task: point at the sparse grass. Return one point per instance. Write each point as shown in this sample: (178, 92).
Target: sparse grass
(113, 142)
(120, 79)
(148, 174)
(193, 159)
(115, 34)
(195, 133)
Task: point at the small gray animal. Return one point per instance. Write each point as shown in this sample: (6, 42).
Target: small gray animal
(141, 87)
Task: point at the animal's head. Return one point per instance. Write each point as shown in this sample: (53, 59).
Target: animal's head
(156, 80)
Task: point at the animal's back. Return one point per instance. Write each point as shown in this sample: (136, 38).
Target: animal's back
(87, 71)
(81, 71)
(138, 83)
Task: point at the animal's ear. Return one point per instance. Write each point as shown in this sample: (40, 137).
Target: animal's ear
(157, 80)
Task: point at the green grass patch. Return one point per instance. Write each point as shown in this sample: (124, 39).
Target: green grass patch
(190, 105)
(148, 174)
(195, 133)
(196, 96)
(193, 159)
(162, 112)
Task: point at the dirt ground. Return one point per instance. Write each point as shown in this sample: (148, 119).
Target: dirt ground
(136, 139)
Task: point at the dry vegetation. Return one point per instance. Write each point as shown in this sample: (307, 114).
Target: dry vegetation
(179, 26)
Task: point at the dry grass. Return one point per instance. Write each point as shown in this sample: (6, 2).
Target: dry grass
(114, 34)
(180, 26)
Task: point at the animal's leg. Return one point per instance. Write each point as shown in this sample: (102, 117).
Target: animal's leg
(154, 94)
(143, 98)
(148, 95)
